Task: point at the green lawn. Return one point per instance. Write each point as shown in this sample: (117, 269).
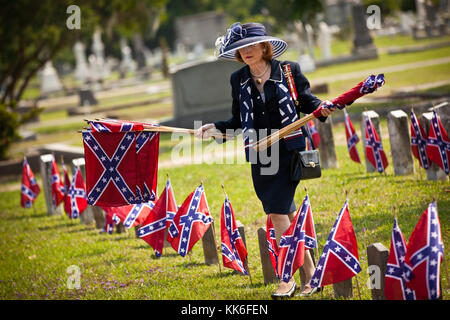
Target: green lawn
(37, 249)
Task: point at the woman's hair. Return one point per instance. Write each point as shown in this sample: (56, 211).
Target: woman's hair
(267, 52)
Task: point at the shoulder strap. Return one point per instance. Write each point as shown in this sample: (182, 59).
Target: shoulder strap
(290, 81)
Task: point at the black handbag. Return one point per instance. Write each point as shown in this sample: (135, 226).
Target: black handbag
(305, 164)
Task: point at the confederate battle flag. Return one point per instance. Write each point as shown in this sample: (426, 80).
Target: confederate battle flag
(293, 242)
(30, 189)
(438, 144)
(424, 255)
(154, 227)
(314, 135)
(395, 286)
(339, 260)
(419, 142)
(75, 201)
(57, 186)
(67, 184)
(272, 244)
(121, 167)
(190, 222)
(234, 252)
(374, 149)
(352, 138)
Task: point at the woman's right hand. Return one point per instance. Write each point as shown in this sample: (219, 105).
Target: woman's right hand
(206, 131)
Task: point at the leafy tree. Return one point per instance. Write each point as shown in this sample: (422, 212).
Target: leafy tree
(33, 32)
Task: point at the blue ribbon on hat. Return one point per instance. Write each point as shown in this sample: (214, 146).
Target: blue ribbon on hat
(235, 33)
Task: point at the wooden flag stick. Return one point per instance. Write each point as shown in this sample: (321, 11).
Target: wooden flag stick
(159, 128)
(215, 242)
(266, 142)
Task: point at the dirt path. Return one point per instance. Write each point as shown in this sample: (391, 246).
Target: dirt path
(388, 69)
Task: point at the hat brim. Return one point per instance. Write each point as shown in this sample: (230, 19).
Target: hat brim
(279, 46)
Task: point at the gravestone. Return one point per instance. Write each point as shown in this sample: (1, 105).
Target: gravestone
(127, 63)
(400, 139)
(267, 268)
(407, 23)
(419, 28)
(200, 29)
(241, 230)
(433, 21)
(377, 256)
(209, 246)
(363, 45)
(343, 289)
(46, 174)
(434, 172)
(81, 67)
(375, 118)
(443, 111)
(101, 68)
(141, 53)
(310, 40)
(327, 151)
(49, 79)
(324, 40)
(306, 63)
(87, 97)
(91, 213)
(201, 91)
(337, 12)
(306, 58)
(120, 228)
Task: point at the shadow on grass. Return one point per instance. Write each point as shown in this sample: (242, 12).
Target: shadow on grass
(80, 230)
(58, 226)
(189, 264)
(23, 217)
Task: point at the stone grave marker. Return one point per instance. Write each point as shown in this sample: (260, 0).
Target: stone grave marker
(201, 91)
(443, 111)
(363, 45)
(87, 97)
(92, 213)
(400, 139)
(241, 230)
(434, 172)
(49, 79)
(419, 28)
(327, 151)
(46, 174)
(81, 67)
(209, 246)
(267, 268)
(200, 29)
(343, 289)
(377, 257)
(325, 40)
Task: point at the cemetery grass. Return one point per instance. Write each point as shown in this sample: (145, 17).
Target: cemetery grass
(37, 249)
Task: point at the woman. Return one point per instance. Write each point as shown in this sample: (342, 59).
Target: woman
(261, 102)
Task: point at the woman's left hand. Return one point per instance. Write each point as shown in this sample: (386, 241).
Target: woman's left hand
(326, 111)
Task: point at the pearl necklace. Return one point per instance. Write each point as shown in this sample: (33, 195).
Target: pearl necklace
(258, 77)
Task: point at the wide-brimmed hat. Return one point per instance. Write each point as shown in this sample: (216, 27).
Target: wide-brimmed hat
(239, 36)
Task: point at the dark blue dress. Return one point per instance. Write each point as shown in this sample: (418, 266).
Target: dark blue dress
(275, 190)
